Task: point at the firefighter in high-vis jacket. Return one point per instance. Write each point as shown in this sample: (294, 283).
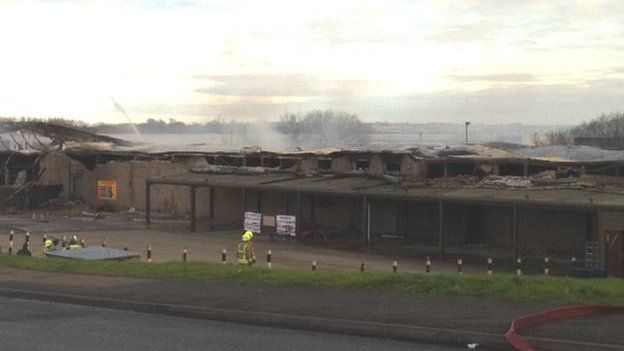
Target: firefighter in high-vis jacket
(245, 250)
(50, 244)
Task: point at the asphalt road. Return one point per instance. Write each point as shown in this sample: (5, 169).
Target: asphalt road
(36, 325)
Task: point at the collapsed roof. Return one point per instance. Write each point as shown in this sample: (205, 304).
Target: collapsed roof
(41, 136)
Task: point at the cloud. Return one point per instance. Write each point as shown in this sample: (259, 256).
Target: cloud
(340, 31)
(539, 104)
(462, 33)
(525, 103)
(508, 77)
(279, 85)
(247, 109)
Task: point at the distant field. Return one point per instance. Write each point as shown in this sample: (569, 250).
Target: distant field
(383, 135)
(560, 291)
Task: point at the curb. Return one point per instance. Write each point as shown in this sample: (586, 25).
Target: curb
(555, 314)
(340, 326)
(267, 319)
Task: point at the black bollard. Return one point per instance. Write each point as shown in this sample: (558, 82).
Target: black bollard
(184, 253)
(11, 242)
(313, 266)
(268, 259)
(460, 266)
(428, 265)
(546, 265)
(518, 266)
(149, 253)
(223, 256)
(395, 267)
(489, 262)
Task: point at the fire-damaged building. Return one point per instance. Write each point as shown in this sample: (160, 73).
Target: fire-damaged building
(558, 200)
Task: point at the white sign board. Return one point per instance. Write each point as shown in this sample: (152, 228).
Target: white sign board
(286, 225)
(253, 222)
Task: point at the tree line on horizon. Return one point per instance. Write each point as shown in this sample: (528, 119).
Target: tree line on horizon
(605, 126)
(320, 128)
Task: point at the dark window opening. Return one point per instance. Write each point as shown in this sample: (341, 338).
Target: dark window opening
(212, 160)
(325, 164)
(221, 161)
(253, 161)
(460, 168)
(393, 163)
(474, 225)
(237, 161)
(610, 170)
(270, 162)
(229, 161)
(510, 169)
(362, 164)
(325, 201)
(287, 163)
(534, 169)
(393, 167)
(435, 170)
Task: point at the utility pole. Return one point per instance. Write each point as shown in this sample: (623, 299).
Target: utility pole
(467, 124)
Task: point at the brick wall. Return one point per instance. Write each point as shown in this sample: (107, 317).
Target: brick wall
(343, 164)
(412, 168)
(377, 165)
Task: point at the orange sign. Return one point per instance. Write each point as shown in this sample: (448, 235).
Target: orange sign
(107, 189)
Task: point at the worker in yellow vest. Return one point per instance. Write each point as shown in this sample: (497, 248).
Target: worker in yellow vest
(74, 244)
(50, 244)
(245, 250)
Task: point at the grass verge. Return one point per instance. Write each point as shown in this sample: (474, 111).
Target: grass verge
(555, 290)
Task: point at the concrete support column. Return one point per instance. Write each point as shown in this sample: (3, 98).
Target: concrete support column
(244, 205)
(211, 207)
(441, 227)
(193, 206)
(312, 207)
(211, 203)
(398, 217)
(514, 231)
(299, 211)
(601, 238)
(365, 221)
(147, 202)
(525, 168)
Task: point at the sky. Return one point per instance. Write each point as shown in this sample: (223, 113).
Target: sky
(493, 62)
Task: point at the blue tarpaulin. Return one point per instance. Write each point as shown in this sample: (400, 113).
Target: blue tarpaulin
(94, 253)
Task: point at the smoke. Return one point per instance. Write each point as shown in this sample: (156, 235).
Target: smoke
(324, 128)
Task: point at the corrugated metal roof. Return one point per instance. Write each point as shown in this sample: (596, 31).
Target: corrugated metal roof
(554, 154)
(378, 188)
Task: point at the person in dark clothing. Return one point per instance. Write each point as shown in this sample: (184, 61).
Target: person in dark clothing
(24, 251)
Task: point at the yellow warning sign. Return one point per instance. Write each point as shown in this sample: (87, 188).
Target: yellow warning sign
(107, 189)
